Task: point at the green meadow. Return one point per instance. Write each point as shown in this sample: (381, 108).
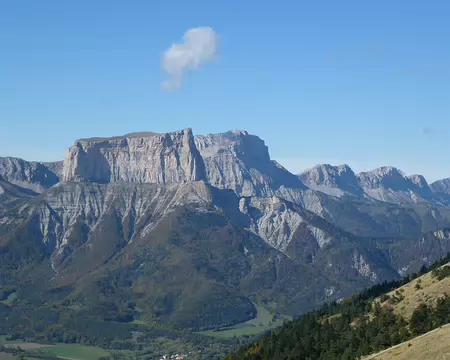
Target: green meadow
(263, 322)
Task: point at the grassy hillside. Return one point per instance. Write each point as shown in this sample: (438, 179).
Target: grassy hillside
(434, 345)
(382, 316)
(426, 289)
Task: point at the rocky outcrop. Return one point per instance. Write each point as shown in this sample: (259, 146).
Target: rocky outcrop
(55, 167)
(136, 158)
(137, 209)
(332, 180)
(441, 190)
(419, 180)
(441, 186)
(392, 185)
(241, 162)
(278, 222)
(384, 177)
(35, 176)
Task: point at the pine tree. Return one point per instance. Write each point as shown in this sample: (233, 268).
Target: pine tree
(421, 320)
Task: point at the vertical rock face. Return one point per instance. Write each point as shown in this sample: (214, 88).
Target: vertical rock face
(419, 180)
(136, 158)
(241, 162)
(35, 176)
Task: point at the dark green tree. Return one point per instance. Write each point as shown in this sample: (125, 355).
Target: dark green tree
(421, 320)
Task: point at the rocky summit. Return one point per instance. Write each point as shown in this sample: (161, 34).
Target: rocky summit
(241, 162)
(36, 176)
(137, 158)
(198, 232)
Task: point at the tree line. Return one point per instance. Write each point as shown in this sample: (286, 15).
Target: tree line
(355, 327)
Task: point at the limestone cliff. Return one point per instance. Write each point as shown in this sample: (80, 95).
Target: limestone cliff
(136, 158)
(241, 162)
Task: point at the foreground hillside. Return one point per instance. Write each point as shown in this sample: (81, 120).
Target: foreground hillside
(366, 323)
(433, 345)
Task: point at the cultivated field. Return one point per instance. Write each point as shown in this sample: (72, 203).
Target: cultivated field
(64, 351)
(73, 351)
(27, 345)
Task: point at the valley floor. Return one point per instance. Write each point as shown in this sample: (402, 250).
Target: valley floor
(63, 351)
(434, 345)
(264, 321)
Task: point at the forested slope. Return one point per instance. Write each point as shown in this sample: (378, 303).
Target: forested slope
(366, 323)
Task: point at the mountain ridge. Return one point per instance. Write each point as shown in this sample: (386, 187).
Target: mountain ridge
(371, 178)
(33, 175)
(157, 228)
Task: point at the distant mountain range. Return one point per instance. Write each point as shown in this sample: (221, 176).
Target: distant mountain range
(192, 231)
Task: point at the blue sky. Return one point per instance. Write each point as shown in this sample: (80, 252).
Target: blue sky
(358, 82)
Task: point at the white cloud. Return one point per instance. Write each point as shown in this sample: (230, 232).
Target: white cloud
(198, 47)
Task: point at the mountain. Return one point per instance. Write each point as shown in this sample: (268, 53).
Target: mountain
(379, 318)
(392, 185)
(36, 176)
(441, 186)
(383, 202)
(173, 251)
(442, 189)
(241, 162)
(386, 184)
(200, 232)
(11, 196)
(136, 158)
(332, 180)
